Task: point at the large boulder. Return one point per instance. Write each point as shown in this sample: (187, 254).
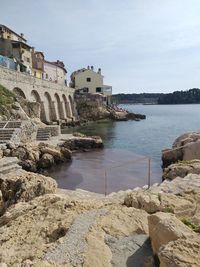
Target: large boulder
(83, 143)
(181, 252)
(46, 161)
(186, 147)
(164, 228)
(24, 186)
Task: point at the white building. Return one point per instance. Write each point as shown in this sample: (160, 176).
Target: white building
(90, 81)
(55, 72)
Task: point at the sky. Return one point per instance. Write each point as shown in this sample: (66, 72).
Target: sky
(140, 45)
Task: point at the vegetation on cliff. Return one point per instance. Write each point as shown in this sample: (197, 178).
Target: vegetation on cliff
(7, 98)
(191, 96)
(145, 98)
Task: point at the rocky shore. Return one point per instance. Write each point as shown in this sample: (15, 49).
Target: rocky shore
(39, 156)
(43, 226)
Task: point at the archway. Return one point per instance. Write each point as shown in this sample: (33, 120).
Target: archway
(71, 105)
(35, 97)
(59, 107)
(67, 107)
(19, 92)
(48, 106)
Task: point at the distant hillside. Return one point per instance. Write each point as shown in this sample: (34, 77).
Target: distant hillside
(144, 98)
(191, 96)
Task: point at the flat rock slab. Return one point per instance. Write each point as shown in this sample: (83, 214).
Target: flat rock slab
(129, 251)
(72, 249)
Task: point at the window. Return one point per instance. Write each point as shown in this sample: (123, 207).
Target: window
(46, 76)
(34, 73)
(28, 59)
(88, 79)
(98, 89)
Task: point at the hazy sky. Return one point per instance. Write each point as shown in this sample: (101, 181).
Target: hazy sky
(141, 45)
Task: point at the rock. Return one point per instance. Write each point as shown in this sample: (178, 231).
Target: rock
(1, 153)
(29, 165)
(24, 186)
(186, 147)
(185, 139)
(46, 161)
(181, 169)
(143, 200)
(125, 221)
(181, 252)
(82, 143)
(6, 152)
(20, 153)
(165, 227)
(66, 153)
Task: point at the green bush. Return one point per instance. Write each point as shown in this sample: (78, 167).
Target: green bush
(7, 98)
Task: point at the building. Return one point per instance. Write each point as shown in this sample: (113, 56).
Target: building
(90, 81)
(6, 33)
(14, 46)
(37, 64)
(55, 72)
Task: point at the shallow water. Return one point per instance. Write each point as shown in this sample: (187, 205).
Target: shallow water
(127, 144)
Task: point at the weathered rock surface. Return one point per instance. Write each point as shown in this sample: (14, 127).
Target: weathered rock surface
(23, 186)
(83, 143)
(186, 147)
(173, 242)
(181, 169)
(34, 157)
(181, 253)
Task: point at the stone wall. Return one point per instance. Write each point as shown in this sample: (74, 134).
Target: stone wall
(56, 101)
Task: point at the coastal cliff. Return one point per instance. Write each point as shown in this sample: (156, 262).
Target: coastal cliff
(91, 107)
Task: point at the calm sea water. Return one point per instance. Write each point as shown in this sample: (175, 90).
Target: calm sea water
(127, 144)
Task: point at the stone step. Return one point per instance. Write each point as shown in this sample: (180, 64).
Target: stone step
(43, 134)
(2, 124)
(8, 169)
(14, 124)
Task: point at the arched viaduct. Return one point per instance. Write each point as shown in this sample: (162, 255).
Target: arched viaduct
(56, 101)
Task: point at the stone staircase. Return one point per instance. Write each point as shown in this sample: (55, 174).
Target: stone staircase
(6, 135)
(9, 164)
(7, 129)
(43, 134)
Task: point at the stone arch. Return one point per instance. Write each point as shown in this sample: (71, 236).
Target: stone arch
(67, 106)
(35, 97)
(49, 108)
(59, 107)
(71, 105)
(19, 92)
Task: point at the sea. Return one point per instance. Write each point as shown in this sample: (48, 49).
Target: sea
(132, 149)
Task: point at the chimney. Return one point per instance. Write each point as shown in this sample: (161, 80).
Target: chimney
(33, 49)
(99, 70)
(88, 67)
(22, 35)
(92, 68)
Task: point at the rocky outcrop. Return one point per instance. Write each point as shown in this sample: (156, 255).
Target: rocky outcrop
(35, 157)
(181, 169)
(83, 143)
(23, 186)
(186, 147)
(173, 242)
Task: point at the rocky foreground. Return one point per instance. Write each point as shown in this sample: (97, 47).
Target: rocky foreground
(41, 225)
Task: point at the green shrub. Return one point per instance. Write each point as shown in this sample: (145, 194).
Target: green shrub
(190, 224)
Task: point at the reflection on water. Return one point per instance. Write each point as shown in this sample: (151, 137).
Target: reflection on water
(147, 138)
(122, 169)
